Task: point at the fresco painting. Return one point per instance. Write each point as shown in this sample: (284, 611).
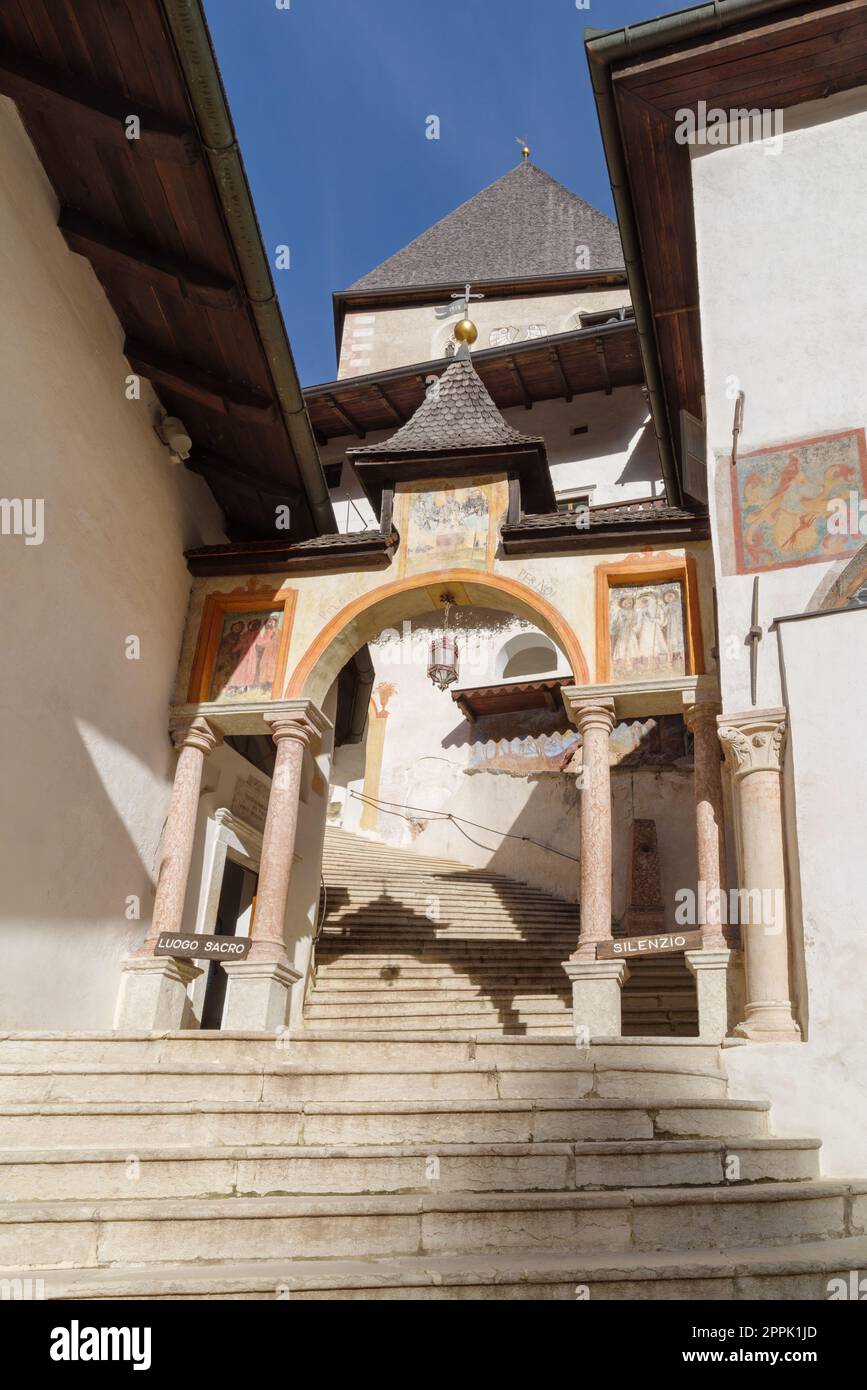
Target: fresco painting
(448, 524)
(247, 658)
(646, 631)
(544, 748)
(783, 498)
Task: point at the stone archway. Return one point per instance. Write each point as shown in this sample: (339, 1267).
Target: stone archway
(388, 605)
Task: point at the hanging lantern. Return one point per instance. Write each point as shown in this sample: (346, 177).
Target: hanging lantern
(442, 667)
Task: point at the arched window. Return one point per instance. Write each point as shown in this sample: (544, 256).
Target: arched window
(527, 654)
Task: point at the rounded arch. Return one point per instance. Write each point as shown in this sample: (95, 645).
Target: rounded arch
(389, 604)
(529, 654)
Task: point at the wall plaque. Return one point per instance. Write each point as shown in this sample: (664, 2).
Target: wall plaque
(661, 944)
(195, 946)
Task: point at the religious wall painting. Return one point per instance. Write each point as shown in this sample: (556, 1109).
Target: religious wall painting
(646, 631)
(448, 524)
(538, 743)
(648, 619)
(241, 652)
(787, 501)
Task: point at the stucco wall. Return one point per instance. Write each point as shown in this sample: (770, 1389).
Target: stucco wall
(782, 262)
(89, 764)
(385, 338)
(818, 1087)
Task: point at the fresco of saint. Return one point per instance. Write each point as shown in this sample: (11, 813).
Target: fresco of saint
(646, 631)
(246, 663)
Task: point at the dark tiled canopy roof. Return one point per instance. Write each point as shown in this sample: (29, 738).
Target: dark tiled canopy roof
(524, 224)
(649, 512)
(456, 415)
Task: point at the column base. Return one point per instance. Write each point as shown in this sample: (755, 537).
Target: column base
(153, 994)
(710, 969)
(769, 1021)
(257, 997)
(596, 987)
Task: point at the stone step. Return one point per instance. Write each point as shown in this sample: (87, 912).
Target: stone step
(323, 1003)
(106, 1124)
(248, 1170)
(777, 1272)
(485, 1027)
(386, 1079)
(81, 1235)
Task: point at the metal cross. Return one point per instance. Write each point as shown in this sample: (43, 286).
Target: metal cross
(754, 637)
(467, 296)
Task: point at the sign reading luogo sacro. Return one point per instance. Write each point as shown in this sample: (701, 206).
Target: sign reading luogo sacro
(662, 944)
(200, 947)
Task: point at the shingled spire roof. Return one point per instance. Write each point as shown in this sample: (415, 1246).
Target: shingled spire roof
(524, 224)
(455, 416)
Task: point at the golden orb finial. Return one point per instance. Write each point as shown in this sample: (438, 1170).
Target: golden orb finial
(466, 332)
(525, 148)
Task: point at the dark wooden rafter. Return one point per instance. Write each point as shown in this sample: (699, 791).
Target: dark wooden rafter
(209, 465)
(564, 382)
(352, 425)
(101, 115)
(389, 404)
(603, 364)
(110, 251)
(520, 383)
(227, 397)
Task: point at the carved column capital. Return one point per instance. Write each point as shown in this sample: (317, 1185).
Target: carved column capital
(195, 732)
(304, 724)
(590, 714)
(753, 742)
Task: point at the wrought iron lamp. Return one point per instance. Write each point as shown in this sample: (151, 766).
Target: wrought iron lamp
(442, 667)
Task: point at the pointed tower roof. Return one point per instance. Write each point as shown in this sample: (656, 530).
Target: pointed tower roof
(457, 430)
(526, 223)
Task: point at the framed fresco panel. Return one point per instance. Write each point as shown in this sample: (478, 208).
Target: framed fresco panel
(241, 652)
(446, 523)
(784, 496)
(648, 625)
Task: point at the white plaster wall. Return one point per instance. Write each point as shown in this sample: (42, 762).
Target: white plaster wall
(819, 1086)
(384, 338)
(782, 260)
(616, 456)
(88, 763)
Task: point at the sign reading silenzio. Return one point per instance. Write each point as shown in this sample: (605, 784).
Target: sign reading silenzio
(649, 945)
(194, 947)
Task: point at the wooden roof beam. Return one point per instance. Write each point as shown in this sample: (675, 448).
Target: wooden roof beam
(109, 251)
(389, 404)
(225, 397)
(241, 475)
(521, 383)
(603, 363)
(103, 116)
(352, 425)
(558, 363)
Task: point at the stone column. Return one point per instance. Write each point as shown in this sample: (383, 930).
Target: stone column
(754, 745)
(153, 988)
(258, 993)
(701, 720)
(596, 985)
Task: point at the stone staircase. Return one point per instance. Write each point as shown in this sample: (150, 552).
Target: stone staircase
(420, 944)
(380, 1155)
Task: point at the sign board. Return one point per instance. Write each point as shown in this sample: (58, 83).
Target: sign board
(200, 947)
(664, 943)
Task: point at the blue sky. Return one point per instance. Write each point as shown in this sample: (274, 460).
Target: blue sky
(330, 100)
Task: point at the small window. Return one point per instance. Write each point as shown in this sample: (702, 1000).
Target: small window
(574, 499)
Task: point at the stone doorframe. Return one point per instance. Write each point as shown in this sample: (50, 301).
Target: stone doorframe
(242, 843)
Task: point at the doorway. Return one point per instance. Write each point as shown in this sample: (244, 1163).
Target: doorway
(234, 916)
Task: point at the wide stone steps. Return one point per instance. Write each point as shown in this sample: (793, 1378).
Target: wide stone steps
(83, 1235)
(104, 1123)
(772, 1272)
(250, 1170)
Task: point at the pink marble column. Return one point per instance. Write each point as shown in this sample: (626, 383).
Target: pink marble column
(701, 720)
(594, 720)
(193, 738)
(293, 732)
